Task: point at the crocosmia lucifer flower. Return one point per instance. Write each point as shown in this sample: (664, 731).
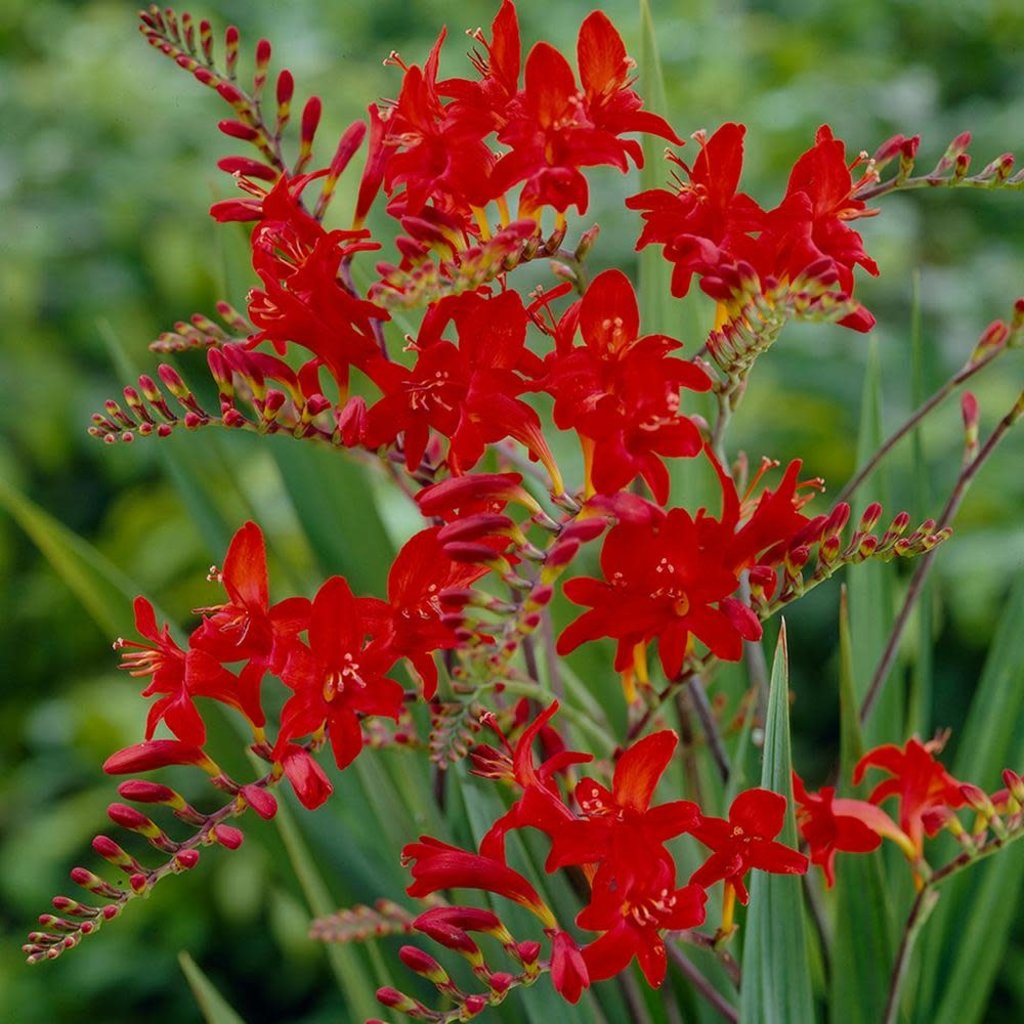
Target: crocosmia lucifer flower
(706, 222)
(340, 676)
(620, 391)
(832, 826)
(247, 627)
(466, 392)
(926, 791)
(811, 221)
(620, 823)
(659, 583)
(746, 841)
(420, 574)
(178, 675)
(633, 915)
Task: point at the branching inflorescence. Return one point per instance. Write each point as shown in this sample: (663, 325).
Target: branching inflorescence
(482, 175)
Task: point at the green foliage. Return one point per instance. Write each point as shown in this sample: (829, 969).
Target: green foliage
(776, 970)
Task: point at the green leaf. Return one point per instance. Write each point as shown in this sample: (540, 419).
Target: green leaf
(920, 697)
(870, 584)
(659, 311)
(776, 975)
(864, 948)
(350, 967)
(962, 947)
(214, 1006)
(333, 500)
(105, 591)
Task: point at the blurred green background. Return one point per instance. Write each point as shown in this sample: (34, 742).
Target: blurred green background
(107, 156)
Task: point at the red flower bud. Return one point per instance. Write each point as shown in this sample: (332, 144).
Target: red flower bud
(227, 835)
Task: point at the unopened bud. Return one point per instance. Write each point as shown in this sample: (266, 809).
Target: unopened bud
(1015, 784)
(227, 835)
(185, 860)
(423, 964)
(472, 1005)
(94, 884)
(500, 982)
(115, 854)
(969, 411)
(993, 337)
(869, 517)
(528, 952)
(238, 130)
(953, 152)
(395, 1000)
(586, 242)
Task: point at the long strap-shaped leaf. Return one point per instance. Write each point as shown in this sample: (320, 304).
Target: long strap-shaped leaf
(963, 943)
(776, 973)
(213, 1006)
(864, 947)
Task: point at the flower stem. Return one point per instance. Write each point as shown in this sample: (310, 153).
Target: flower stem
(967, 474)
(714, 998)
(968, 370)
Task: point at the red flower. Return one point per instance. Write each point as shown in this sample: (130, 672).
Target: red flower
(541, 805)
(302, 300)
(248, 628)
(437, 865)
(620, 824)
(419, 576)
(435, 154)
(620, 391)
(926, 791)
(745, 841)
(466, 392)
(340, 676)
(831, 826)
(177, 674)
(632, 914)
(659, 582)
(811, 221)
(706, 222)
(760, 532)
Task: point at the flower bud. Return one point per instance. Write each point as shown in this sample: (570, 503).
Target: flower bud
(227, 835)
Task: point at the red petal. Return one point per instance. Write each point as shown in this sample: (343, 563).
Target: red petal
(759, 812)
(601, 56)
(640, 768)
(245, 568)
(308, 779)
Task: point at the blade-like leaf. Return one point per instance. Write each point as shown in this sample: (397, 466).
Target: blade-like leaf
(871, 583)
(920, 702)
(963, 945)
(776, 975)
(659, 310)
(334, 502)
(864, 947)
(214, 1007)
(105, 591)
(350, 968)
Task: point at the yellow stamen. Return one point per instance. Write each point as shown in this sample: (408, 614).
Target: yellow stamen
(588, 467)
(481, 222)
(640, 663)
(628, 684)
(728, 911)
(722, 316)
(503, 213)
